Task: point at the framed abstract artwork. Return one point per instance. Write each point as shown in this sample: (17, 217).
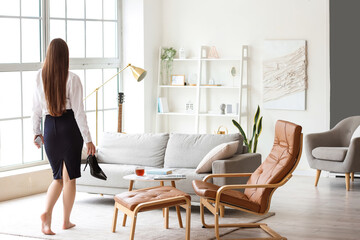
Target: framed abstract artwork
(284, 74)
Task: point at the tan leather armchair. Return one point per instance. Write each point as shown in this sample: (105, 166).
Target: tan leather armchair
(274, 172)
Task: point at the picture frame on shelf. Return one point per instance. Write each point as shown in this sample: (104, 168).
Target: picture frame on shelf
(178, 80)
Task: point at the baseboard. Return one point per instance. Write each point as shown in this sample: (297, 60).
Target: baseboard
(25, 182)
(310, 172)
(333, 174)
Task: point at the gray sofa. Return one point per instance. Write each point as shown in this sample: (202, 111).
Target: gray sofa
(119, 154)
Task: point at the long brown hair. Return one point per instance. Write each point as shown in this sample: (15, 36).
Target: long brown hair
(54, 76)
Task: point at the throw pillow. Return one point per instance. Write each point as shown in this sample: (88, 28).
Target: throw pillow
(222, 151)
(356, 133)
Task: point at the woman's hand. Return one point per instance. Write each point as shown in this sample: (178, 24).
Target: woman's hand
(42, 140)
(90, 148)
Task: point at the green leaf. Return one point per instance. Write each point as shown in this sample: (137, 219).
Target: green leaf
(241, 131)
(250, 144)
(259, 127)
(253, 133)
(256, 142)
(257, 114)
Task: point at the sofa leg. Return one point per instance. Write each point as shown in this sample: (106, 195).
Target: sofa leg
(352, 176)
(318, 172)
(347, 179)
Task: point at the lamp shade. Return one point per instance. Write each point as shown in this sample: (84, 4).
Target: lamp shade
(138, 73)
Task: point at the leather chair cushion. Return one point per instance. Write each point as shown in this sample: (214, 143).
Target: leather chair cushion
(277, 165)
(336, 154)
(133, 198)
(232, 197)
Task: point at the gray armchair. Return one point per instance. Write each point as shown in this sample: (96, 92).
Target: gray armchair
(334, 150)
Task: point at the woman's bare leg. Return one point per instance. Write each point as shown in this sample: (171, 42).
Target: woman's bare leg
(69, 192)
(52, 196)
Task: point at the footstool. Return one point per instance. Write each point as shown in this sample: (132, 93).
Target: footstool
(133, 202)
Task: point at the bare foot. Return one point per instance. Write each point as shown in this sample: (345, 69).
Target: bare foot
(46, 224)
(68, 225)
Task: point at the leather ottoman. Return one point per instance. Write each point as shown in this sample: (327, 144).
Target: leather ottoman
(133, 202)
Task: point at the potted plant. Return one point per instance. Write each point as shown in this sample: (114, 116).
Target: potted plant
(167, 58)
(257, 127)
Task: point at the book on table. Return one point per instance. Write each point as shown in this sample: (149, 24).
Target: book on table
(159, 171)
(169, 177)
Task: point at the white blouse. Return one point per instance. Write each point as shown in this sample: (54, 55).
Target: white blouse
(74, 101)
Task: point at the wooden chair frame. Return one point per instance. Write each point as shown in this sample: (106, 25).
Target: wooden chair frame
(140, 208)
(216, 207)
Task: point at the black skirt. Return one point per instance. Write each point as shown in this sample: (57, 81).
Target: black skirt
(63, 143)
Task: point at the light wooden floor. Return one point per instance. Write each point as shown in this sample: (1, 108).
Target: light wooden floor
(324, 212)
(303, 211)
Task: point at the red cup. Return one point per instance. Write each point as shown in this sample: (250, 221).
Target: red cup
(139, 171)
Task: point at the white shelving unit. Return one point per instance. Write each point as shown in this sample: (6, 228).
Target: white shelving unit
(204, 95)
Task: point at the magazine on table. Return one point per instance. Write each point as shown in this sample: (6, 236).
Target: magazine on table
(159, 171)
(169, 177)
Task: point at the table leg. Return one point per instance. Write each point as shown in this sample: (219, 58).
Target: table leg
(130, 189)
(162, 184)
(177, 209)
(166, 218)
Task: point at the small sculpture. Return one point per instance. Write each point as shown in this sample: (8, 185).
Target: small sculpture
(182, 53)
(222, 108)
(189, 107)
(213, 53)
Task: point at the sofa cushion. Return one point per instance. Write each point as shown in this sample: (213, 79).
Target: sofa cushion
(140, 149)
(187, 150)
(222, 151)
(330, 153)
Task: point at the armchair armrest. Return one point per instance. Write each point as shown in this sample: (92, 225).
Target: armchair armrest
(226, 175)
(323, 139)
(239, 163)
(243, 186)
(351, 161)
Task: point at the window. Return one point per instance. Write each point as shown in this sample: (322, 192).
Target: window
(90, 27)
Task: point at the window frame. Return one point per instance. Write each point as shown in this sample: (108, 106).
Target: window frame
(75, 64)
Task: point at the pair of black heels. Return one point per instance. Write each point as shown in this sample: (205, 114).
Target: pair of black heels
(95, 170)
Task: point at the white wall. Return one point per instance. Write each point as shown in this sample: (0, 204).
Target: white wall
(141, 20)
(153, 35)
(228, 24)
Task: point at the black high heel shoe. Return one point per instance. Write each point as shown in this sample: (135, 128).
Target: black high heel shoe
(95, 170)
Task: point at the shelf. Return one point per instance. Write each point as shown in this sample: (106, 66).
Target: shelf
(206, 59)
(206, 114)
(221, 87)
(185, 60)
(217, 115)
(193, 87)
(171, 86)
(200, 114)
(177, 114)
(221, 59)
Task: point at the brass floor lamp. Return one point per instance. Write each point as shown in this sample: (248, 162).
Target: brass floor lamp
(138, 74)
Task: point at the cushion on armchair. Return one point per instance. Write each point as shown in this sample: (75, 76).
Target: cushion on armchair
(337, 154)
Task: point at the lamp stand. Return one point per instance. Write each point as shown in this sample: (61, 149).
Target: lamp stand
(138, 74)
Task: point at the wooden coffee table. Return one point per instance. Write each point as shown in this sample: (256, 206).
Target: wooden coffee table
(132, 178)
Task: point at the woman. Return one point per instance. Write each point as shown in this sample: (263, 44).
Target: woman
(58, 94)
